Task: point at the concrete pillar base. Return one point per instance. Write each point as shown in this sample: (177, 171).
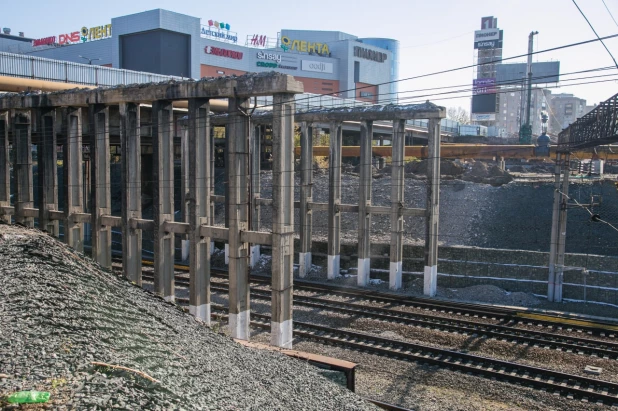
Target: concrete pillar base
(239, 325)
(254, 255)
(227, 253)
(304, 262)
(333, 268)
(363, 271)
(281, 334)
(394, 280)
(185, 249)
(430, 283)
(202, 312)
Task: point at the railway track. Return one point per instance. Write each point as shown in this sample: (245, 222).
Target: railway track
(505, 316)
(570, 344)
(568, 385)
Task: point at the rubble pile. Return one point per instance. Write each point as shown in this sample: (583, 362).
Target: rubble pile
(67, 326)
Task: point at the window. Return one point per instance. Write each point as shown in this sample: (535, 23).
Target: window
(357, 72)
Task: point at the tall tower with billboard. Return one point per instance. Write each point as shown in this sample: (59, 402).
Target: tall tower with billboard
(485, 97)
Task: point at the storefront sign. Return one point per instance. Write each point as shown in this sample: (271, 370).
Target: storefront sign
(47, 41)
(216, 51)
(483, 117)
(484, 86)
(304, 46)
(488, 44)
(69, 38)
(269, 56)
(488, 34)
(275, 65)
(96, 33)
(317, 66)
(218, 25)
(214, 29)
(369, 54)
(258, 40)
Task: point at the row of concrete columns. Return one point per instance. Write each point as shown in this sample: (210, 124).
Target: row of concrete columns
(397, 210)
(242, 140)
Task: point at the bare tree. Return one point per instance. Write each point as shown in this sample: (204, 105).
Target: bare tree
(459, 114)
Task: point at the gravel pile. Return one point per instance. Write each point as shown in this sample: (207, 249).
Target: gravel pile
(59, 313)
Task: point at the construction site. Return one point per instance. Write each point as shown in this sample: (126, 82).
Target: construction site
(182, 228)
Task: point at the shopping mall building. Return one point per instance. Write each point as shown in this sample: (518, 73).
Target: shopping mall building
(164, 42)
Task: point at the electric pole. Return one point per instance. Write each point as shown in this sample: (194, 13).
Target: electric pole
(525, 133)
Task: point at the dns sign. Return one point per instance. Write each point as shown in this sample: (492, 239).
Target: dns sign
(68, 38)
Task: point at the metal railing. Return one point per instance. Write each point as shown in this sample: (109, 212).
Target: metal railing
(19, 65)
(598, 127)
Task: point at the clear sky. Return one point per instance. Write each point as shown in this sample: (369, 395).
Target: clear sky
(435, 35)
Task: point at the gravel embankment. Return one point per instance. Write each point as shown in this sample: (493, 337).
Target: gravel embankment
(59, 312)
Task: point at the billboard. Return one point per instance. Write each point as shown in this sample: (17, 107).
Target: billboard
(487, 34)
(484, 86)
(542, 73)
(488, 44)
(484, 103)
(483, 117)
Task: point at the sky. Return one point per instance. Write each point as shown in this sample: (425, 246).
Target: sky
(434, 35)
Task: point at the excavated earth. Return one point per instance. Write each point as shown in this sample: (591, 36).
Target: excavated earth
(59, 312)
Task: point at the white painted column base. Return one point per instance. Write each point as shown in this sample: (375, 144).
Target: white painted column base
(185, 249)
(333, 266)
(430, 283)
(202, 312)
(304, 263)
(364, 265)
(227, 253)
(239, 325)
(281, 334)
(170, 299)
(254, 255)
(394, 279)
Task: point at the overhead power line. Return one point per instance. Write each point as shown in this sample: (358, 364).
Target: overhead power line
(595, 32)
(610, 13)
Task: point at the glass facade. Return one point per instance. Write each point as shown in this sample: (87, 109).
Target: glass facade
(393, 46)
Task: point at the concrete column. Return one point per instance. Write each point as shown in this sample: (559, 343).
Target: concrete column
(22, 166)
(559, 226)
(397, 192)
(237, 201)
(334, 200)
(255, 147)
(364, 200)
(184, 179)
(198, 199)
(130, 146)
(502, 164)
(5, 166)
(306, 196)
(73, 177)
(48, 171)
(212, 184)
(101, 184)
(433, 208)
(283, 220)
(163, 197)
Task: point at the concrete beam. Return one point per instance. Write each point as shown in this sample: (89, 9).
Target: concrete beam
(364, 203)
(237, 173)
(48, 171)
(101, 198)
(433, 210)
(163, 197)
(221, 87)
(283, 220)
(306, 197)
(22, 166)
(73, 177)
(5, 166)
(397, 192)
(198, 200)
(130, 145)
(334, 200)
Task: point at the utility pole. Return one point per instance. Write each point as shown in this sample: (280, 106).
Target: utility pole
(525, 133)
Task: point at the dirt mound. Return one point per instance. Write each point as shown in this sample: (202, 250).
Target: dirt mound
(447, 168)
(480, 172)
(59, 312)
